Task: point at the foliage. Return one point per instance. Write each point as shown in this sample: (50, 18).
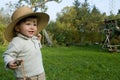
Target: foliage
(35, 4)
(77, 24)
(4, 19)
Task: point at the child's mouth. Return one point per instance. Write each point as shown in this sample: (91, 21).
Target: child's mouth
(31, 32)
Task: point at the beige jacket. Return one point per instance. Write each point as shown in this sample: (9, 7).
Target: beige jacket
(27, 49)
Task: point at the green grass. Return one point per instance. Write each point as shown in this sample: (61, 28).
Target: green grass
(75, 63)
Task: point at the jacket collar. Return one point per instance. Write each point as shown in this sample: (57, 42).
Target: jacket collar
(25, 37)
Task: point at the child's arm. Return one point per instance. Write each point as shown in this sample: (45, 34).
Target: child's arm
(10, 55)
(11, 63)
(39, 37)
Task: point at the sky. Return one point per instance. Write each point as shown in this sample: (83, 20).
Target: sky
(54, 8)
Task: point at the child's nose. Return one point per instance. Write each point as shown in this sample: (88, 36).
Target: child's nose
(32, 27)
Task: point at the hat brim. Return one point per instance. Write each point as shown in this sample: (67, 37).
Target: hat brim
(43, 19)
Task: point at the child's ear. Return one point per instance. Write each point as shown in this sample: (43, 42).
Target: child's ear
(17, 28)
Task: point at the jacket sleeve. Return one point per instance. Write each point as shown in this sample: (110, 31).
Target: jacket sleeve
(11, 53)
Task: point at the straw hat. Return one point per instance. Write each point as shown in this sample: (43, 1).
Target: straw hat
(21, 13)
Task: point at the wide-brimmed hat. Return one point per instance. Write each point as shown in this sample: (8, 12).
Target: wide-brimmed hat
(21, 13)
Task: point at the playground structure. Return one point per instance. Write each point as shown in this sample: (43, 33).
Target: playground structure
(112, 31)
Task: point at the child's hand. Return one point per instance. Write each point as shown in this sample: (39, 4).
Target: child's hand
(14, 64)
(39, 36)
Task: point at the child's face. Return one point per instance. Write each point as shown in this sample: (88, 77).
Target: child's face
(28, 27)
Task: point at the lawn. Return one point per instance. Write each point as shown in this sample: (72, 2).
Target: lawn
(75, 63)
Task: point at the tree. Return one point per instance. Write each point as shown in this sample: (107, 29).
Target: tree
(80, 23)
(35, 4)
(4, 19)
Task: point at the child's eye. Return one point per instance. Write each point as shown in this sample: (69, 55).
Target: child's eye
(27, 23)
(35, 24)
